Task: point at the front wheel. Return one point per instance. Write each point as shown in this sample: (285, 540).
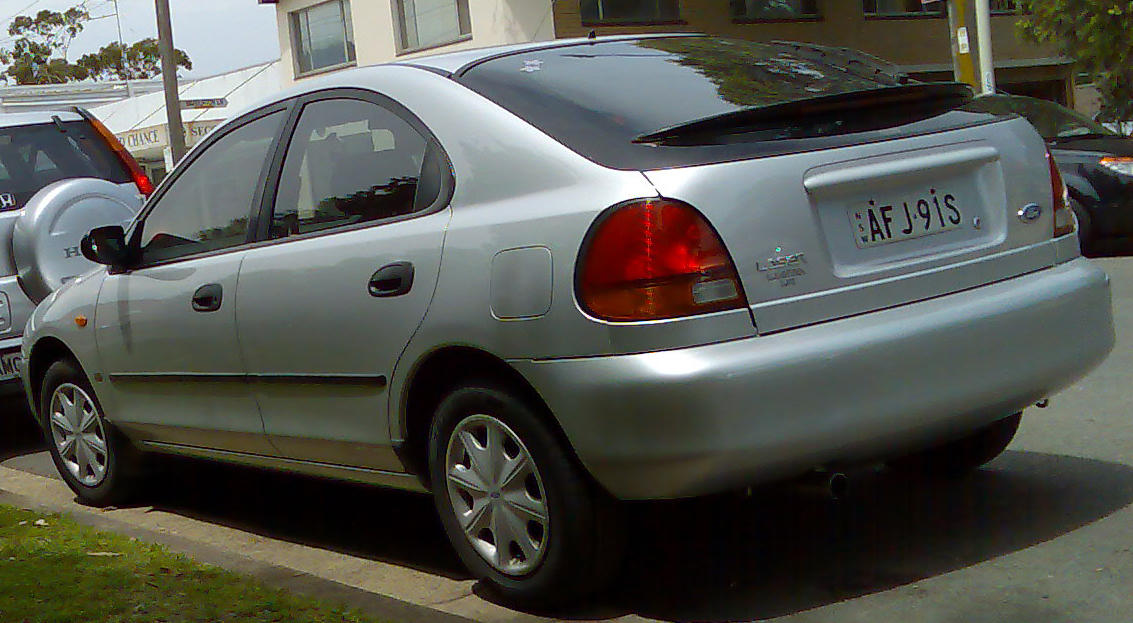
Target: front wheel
(94, 459)
(520, 512)
(964, 455)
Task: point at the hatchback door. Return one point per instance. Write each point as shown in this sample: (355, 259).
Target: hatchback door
(325, 310)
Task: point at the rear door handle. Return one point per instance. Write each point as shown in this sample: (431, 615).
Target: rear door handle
(208, 298)
(391, 280)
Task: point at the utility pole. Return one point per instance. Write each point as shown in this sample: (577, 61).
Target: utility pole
(169, 79)
(983, 36)
(963, 69)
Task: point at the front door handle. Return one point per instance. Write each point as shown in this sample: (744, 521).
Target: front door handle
(208, 298)
(391, 280)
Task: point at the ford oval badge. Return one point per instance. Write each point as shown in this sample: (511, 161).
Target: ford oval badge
(1030, 212)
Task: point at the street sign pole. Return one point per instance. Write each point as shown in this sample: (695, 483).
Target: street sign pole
(169, 79)
(963, 69)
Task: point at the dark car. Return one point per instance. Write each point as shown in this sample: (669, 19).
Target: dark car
(1096, 164)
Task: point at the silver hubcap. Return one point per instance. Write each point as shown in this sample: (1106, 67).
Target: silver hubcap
(497, 494)
(76, 429)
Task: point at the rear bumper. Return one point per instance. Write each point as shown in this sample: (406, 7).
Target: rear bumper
(709, 418)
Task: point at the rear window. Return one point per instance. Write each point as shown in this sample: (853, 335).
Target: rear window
(597, 98)
(34, 156)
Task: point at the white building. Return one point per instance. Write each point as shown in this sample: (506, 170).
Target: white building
(319, 36)
(140, 122)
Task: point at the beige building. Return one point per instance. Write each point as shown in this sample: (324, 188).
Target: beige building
(318, 36)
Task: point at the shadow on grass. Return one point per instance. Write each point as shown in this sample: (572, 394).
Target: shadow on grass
(776, 552)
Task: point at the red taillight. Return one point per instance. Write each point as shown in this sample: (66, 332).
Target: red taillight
(141, 180)
(655, 258)
(1063, 215)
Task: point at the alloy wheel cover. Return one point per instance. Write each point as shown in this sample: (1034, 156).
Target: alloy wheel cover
(497, 495)
(78, 434)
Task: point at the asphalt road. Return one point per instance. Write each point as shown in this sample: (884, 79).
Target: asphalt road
(1045, 533)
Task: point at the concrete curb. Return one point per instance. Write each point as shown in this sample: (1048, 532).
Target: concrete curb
(363, 584)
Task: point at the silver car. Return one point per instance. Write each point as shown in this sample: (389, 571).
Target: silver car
(542, 279)
(61, 173)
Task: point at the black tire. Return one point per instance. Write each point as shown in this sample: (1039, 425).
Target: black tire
(120, 462)
(583, 541)
(964, 455)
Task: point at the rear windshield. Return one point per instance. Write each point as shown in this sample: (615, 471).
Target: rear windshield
(597, 98)
(34, 156)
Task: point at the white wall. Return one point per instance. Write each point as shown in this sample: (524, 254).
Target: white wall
(494, 22)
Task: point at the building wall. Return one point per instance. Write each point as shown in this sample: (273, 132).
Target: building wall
(494, 22)
(919, 44)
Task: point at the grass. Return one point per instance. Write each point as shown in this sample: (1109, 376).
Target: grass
(55, 570)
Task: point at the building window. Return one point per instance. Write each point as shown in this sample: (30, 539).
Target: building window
(430, 23)
(630, 11)
(912, 8)
(774, 9)
(323, 36)
(1003, 6)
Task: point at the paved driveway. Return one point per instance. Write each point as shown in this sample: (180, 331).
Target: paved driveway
(1044, 534)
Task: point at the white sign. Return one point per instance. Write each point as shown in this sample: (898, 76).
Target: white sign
(158, 138)
(962, 45)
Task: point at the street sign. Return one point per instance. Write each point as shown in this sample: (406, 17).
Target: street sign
(218, 102)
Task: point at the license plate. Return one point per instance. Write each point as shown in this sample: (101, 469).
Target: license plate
(877, 221)
(10, 366)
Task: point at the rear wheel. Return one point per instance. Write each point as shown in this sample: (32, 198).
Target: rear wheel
(520, 512)
(94, 459)
(963, 455)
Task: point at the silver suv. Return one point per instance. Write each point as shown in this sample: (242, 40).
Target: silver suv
(539, 280)
(61, 173)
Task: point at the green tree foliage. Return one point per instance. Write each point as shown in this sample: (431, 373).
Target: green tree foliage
(1095, 33)
(133, 62)
(39, 52)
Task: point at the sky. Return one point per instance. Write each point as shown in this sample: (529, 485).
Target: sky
(218, 35)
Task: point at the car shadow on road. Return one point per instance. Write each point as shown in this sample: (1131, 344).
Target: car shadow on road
(19, 434)
(778, 552)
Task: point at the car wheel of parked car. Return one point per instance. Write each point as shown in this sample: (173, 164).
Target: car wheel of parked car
(516, 506)
(94, 459)
(963, 455)
(1085, 228)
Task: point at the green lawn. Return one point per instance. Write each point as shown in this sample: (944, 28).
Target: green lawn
(55, 570)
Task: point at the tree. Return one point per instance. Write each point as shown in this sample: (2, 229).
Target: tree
(39, 53)
(1095, 33)
(134, 62)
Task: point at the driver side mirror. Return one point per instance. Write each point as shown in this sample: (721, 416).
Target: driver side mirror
(105, 245)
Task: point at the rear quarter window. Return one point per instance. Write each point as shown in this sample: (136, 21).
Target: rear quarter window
(35, 156)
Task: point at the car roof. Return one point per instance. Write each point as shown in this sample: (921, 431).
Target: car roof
(12, 119)
(453, 62)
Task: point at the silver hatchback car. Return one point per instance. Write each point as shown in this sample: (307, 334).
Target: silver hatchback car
(541, 279)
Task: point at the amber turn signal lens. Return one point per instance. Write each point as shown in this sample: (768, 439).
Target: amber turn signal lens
(1063, 215)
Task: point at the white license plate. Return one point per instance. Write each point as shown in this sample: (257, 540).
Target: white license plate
(10, 366)
(881, 221)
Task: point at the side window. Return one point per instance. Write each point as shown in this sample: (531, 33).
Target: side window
(350, 161)
(207, 206)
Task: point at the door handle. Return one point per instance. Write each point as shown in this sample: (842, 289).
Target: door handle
(391, 280)
(208, 298)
